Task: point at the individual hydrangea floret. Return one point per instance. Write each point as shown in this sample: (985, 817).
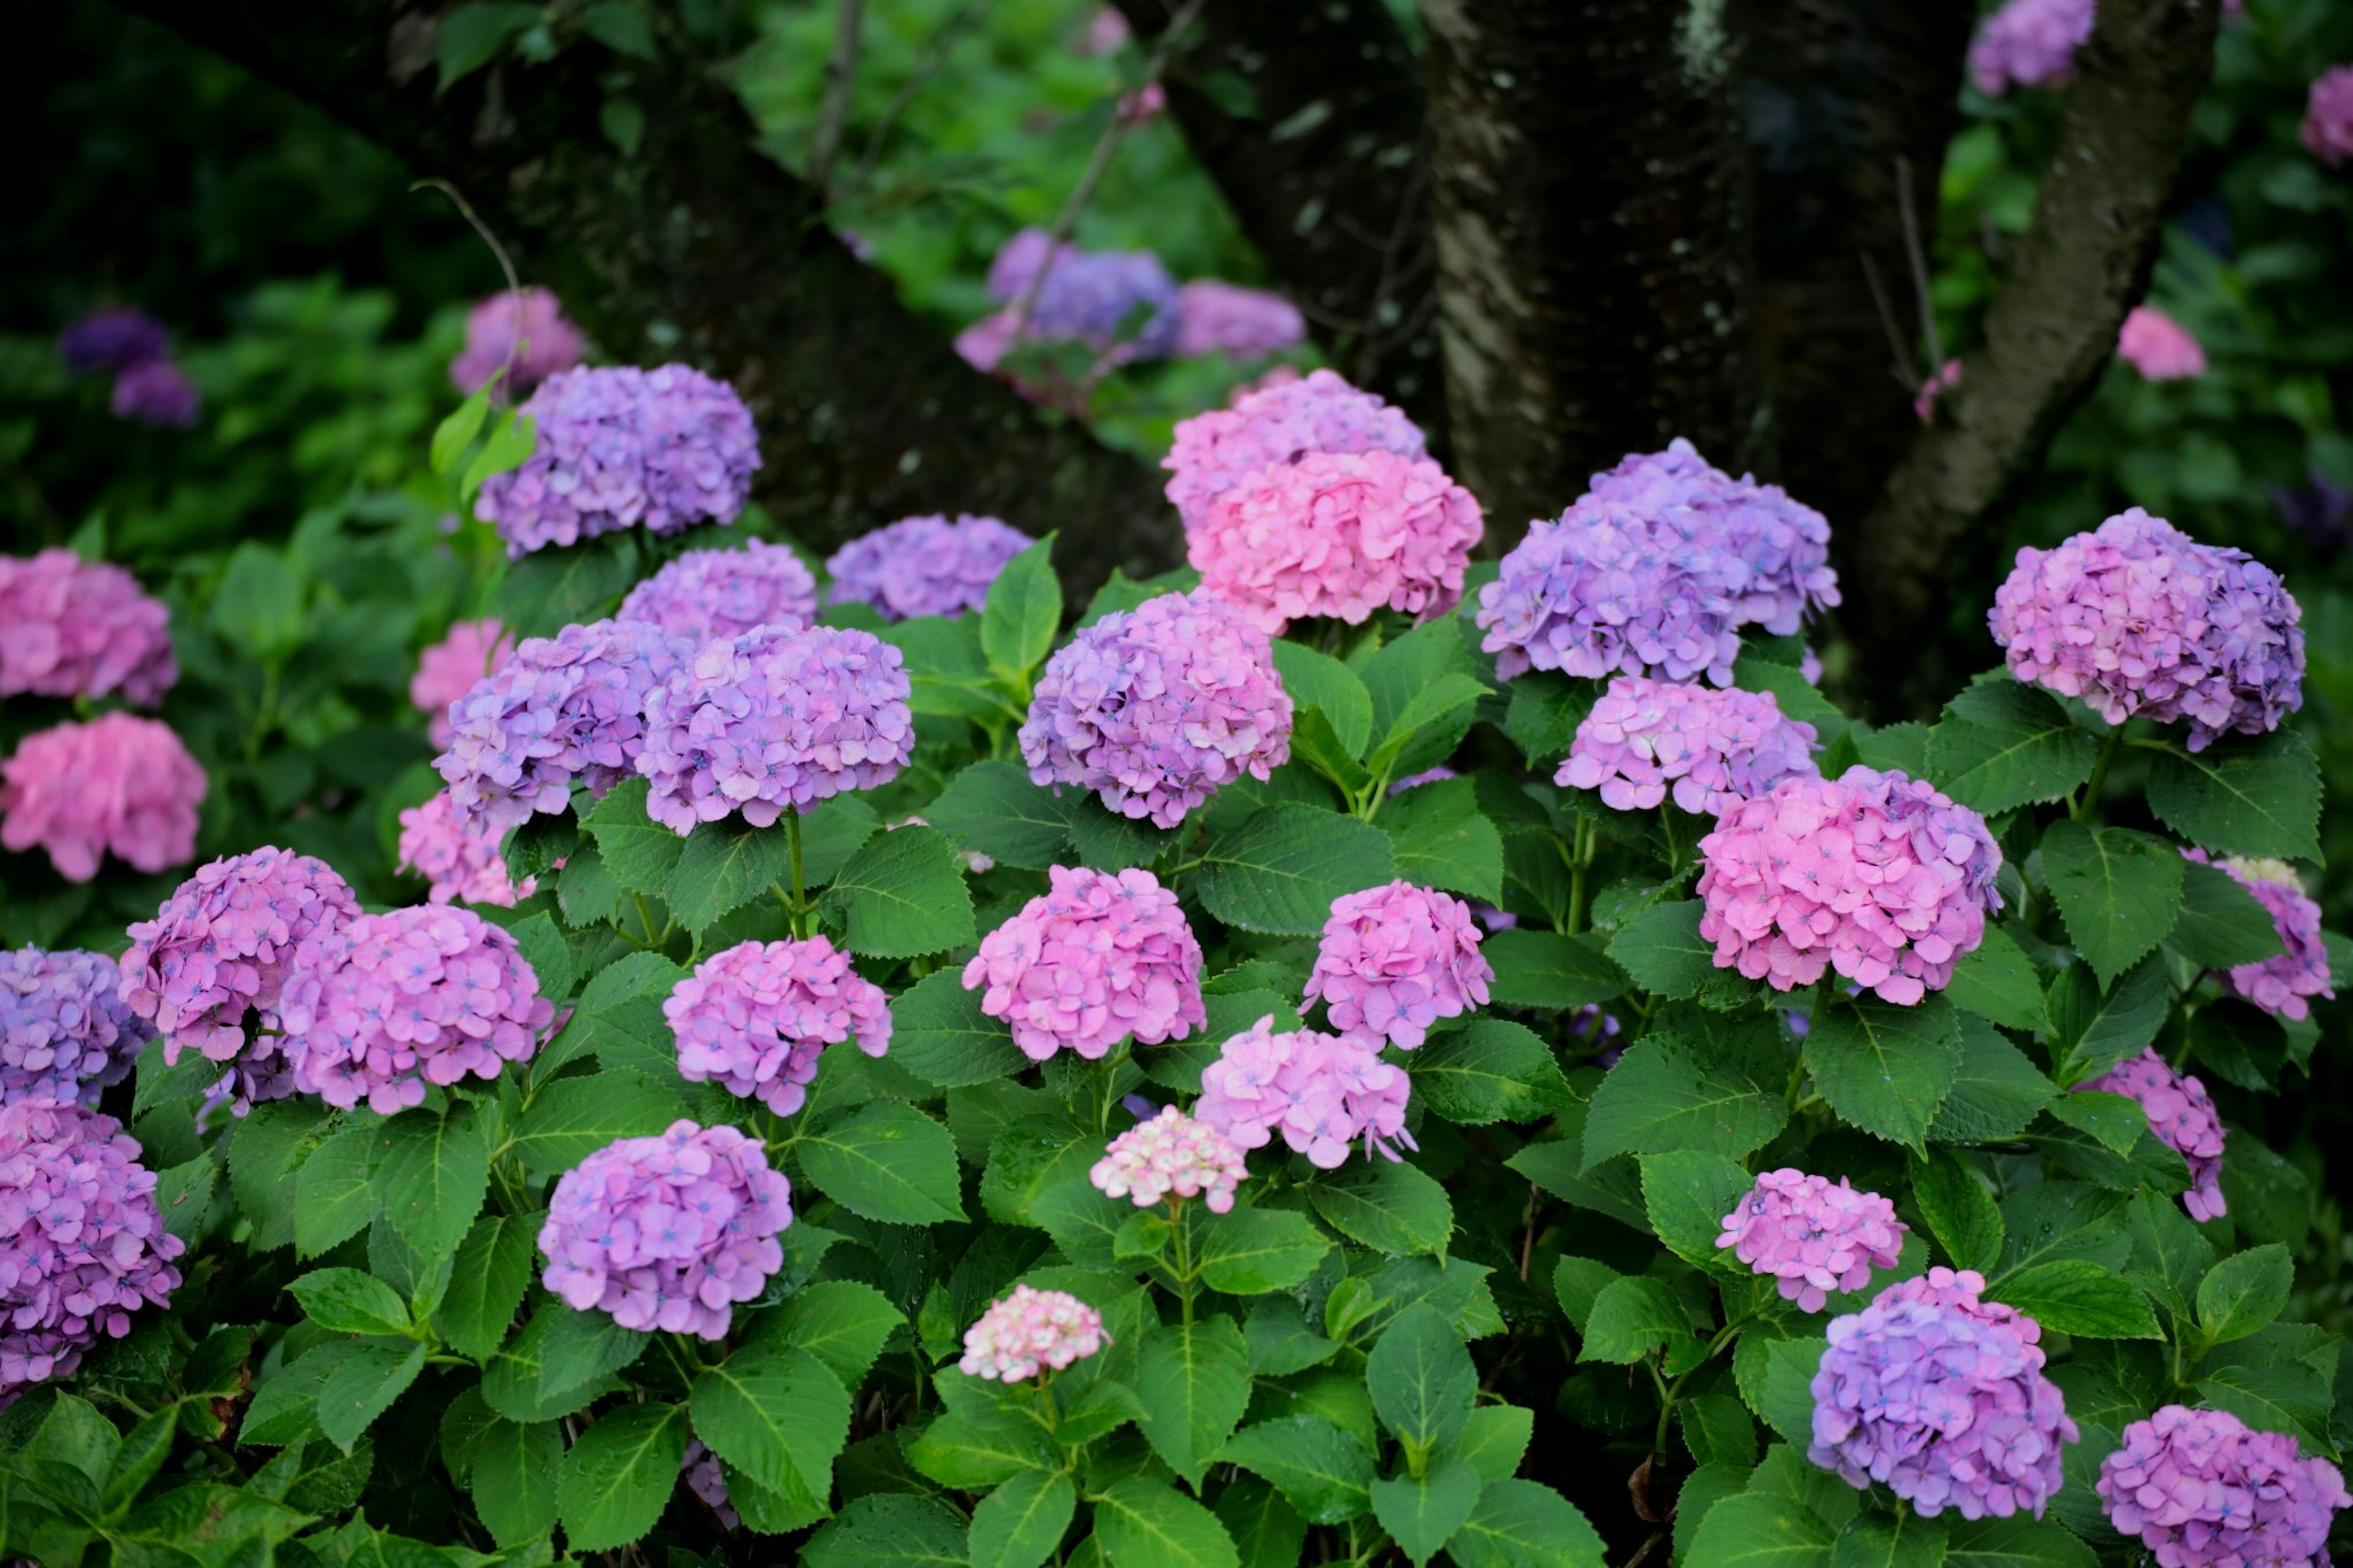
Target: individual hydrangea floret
(757, 1017)
(1813, 1238)
(1214, 318)
(458, 857)
(1942, 1407)
(2202, 1489)
(2328, 128)
(1274, 426)
(158, 395)
(1098, 958)
(707, 595)
(1340, 534)
(624, 448)
(773, 720)
(2137, 617)
(668, 1233)
(116, 786)
(1875, 875)
(70, 628)
(1609, 590)
(1711, 748)
(565, 710)
(381, 1006)
(1030, 1331)
(1171, 1154)
(2182, 1115)
(112, 339)
(450, 668)
(2281, 983)
(65, 1033)
(2159, 347)
(1158, 708)
(520, 331)
(2029, 43)
(924, 565)
(1394, 960)
(1094, 297)
(1321, 1092)
(83, 1244)
(1779, 548)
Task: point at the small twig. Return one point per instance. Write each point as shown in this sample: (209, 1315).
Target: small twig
(1919, 260)
(840, 78)
(514, 284)
(1904, 371)
(935, 58)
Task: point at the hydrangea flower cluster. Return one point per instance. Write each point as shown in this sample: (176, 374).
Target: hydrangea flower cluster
(563, 710)
(757, 1017)
(2328, 128)
(776, 717)
(708, 594)
(1778, 548)
(458, 857)
(2029, 43)
(2201, 1489)
(1877, 875)
(65, 1033)
(1394, 960)
(82, 1244)
(2182, 1115)
(448, 669)
(521, 333)
(383, 1005)
(706, 1481)
(112, 339)
(1321, 1092)
(1276, 426)
(158, 395)
(1171, 1154)
(1158, 708)
(668, 1233)
(70, 628)
(1215, 318)
(1712, 748)
(1811, 1237)
(1089, 296)
(621, 448)
(2137, 617)
(116, 786)
(2279, 985)
(1098, 957)
(1028, 1331)
(1340, 534)
(1608, 590)
(924, 565)
(1963, 1290)
(2159, 347)
(1944, 1407)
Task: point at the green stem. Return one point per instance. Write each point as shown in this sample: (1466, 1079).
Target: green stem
(2091, 796)
(1181, 1243)
(800, 894)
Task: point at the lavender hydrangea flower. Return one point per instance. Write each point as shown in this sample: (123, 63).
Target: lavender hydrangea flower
(758, 1017)
(1321, 1092)
(1089, 296)
(458, 856)
(520, 332)
(1781, 546)
(1158, 707)
(1810, 1238)
(2029, 43)
(1394, 960)
(924, 565)
(1100, 957)
(772, 719)
(2137, 617)
(668, 1233)
(700, 1469)
(2182, 1116)
(2202, 1489)
(65, 1033)
(1711, 748)
(112, 339)
(1225, 318)
(624, 448)
(1609, 590)
(706, 595)
(82, 1244)
(158, 395)
(382, 1005)
(117, 786)
(1274, 426)
(2327, 127)
(2281, 983)
(70, 628)
(1030, 1331)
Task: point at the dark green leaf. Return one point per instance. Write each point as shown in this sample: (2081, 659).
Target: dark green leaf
(1890, 1541)
(1143, 1524)
(1441, 840)
(1995, 980)
(2243, 796)
(620, 1474)
(1545, 969)
(1194, 1381)
(1631, 1318)
(1421, 1513)
(1997, 1091)
(1281, 868)
(724, 866)
(1687, 1192)
(939, 1034)
(993, 807)
(2072, 1296)
(362, 1385)
(1020, 1523)
(888, 1161)
(1662, 950)
(1389, 1207)
(2093, 1032)
(1326, 1473)
(2221, 924)
(435, 1174)
(1487, 1070)
(1023, 611)
(348, 1301)
(777, 1413)
(2003, 744)
(515, 1472)
(1959, 1209)
(335, 1193)
(902, 895)
(493, 1268)
(1885, 1068)
(573, 1118)
(640, 852)
(889, 1529)
(2244, 1292)
(1661, 1096)
(1318, 680)
(2119, 892)
(1252, 1251)
(1526, 1524)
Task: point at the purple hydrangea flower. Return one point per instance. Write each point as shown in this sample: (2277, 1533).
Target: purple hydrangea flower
(380, 1006)
(1098, 958)
(1811, 1237)
(2201, 1489)
(2139, 618)
(924, 565)
(1225, 318)
(668, 1233)
(1711, 748)
(520, 331)
(1321, 1092)
(774, 719)
(2182, 1116)
(2328, 128)
(619, 448)
(1781, 546)
(1089, 296)
(1394, 960)
(112, 339)
(458, 856)
(2281, 983)
(1158, 707)
(1274, 426)
(1608, 590)
(70, 628)
(2029, 43)
(708, 594)
(157, 395)
(82, 1244)
(706, 1481)
(65, 1033)
(757, 1017)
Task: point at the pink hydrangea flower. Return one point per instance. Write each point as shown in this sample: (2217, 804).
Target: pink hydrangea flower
(1394, 960)
(116, 786)
(1711, 748)
(458, 857)
(706, 595)
(1875, 875)
(757, 1017)
(1158, 708)
(1171, 1153)
(448, 669)
(526, 324)
(2281, 983)
(1321, 1092)
(1214, 318)
(925, 566)
(2182, 1116)
(1274, 426)
(1098, 958)
(2159, 347)
(667, 1234)
(2029, 43)
(1811, 1237)
(2328, 128)
(82, 1244)
(1924, 402)
(2139, 618)
(382, 1005)
(2200, 1488)
(70, 628)
(1962, 1290)
(1030, 1331)
(65, 1033)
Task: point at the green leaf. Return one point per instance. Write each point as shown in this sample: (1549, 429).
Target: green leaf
(619, 27)
(1762, 1530)
(1661, 1097)
(2170, 1258)
(1280, 869)
(285, 1407)
(507, 447)
(775, 1413)
(259, 606)
(456, 431)
(1267, 1531)
(1631, 1318)
(619, 1019)
(1997, 1090)
(2241, 796)
(1490, 1069)
(1662, 950)
(1441, 840)
(1423, 1513)
(533, 848)
(902, 895)
(641, 854)
(1252, 1251)
(1890, 1541)
(543, 948)
(1421, 1380)
(2003, 744)
(1194, 1381)
(347, 1302)
(2015, 1542)
(1718, 1431)
(435, 1174)
(1427, 728)
(362, 1385)
(1961, 1210)
(515, 1473)
(2093, 1032)
(1495, 1440)
(841, 1322)
(1326, 1474)
(946, 669)
(1391, 1207)
(335, 1194)
(1543, 710)
(2119, 892)
(1796, 695)
(993, 807)
(2288, 1399)
(1545, 969)
(619, 1474)
(2222, 925)
(1144, 1523)
(1883, 1067)
(1318, 680)
(1316, 748)
(2072, 1296)
(1526, 1524)
(573, 1118)
(551, 589)
(1020, 1523)
(1687, 1192)
(493, 1268)
(2244, 1292)
(724, 866)
(1776, 1378)
(1023, 611)
(939, 1034)
(1996, 981)
(888, 1161)
(889, 1529)
(959, 1451)
(472, 35)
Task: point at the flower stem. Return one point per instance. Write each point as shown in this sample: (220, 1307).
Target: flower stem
(2085, 802)
(800, 895)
